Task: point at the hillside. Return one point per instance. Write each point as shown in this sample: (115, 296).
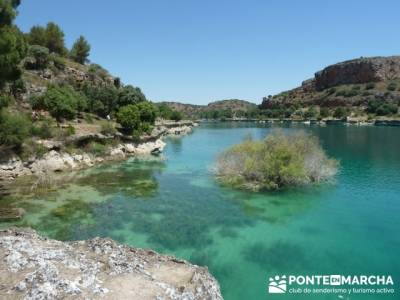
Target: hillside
(367, 87)
(229, 108)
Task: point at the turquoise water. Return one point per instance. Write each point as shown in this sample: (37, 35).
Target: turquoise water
(174, 206)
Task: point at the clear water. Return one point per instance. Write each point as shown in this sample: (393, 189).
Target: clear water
(176, 207)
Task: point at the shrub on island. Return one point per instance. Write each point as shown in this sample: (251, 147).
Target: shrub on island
(280, 160)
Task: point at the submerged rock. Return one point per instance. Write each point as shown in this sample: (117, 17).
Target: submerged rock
(32, 267)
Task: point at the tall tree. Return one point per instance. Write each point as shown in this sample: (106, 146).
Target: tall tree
(37, 36)
(55, 39)
(12, 43)
(80, 50)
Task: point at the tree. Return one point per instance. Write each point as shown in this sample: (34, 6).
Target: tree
(14, 129)
(61, 102)
(39, 57)
(147, 111)
(12, 43)
(37, 36)
(55, 39)
(80, 50)
(176, 115)
(324, 112)
(101, 100)
(340, 113)
(130, 95)
(8, 11)
(129, 117)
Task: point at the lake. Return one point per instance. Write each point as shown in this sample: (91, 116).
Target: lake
(174, 206)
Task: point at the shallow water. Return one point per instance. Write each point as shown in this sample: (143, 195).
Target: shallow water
(174, 206)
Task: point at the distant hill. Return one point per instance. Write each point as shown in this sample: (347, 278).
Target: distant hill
(223, 108)
(364, 86)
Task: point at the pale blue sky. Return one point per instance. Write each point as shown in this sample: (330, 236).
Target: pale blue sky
(197, 51)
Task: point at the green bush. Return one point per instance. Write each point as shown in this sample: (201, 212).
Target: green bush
(97, 149)
(61, 102)
(38, 57)
(147, 111)
(381, 108)
(340, 113)
(370, 86)
(14, 129)
(58, 61)
(129, 117)
(108, 128)
(44, 129)
(391, 86)
(281, 160)
(101, 100)
(311, 113)
(4, 101)
(324, 112)
(130, 95)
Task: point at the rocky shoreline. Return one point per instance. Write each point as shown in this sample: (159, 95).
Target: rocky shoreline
(33, 267)
(56, 160)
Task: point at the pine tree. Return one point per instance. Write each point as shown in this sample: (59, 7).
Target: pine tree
(80, 50)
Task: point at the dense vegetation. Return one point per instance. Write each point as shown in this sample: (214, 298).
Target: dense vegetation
(33, 58)
(281, 160)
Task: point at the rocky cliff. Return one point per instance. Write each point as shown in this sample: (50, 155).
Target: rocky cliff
(362, 70)
(32, 267)
(361, 86)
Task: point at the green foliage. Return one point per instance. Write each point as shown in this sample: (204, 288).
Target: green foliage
(44, 129)
(55, 39)
(281, 160)
(8, 11)
(381, 108)
(97, 70)
(58, 61)
(80, 51)
(340, 113)
(176, 116)
(137, 118)
(38, 57)
(37, 36)
(14, 129)
(97, 149)
(324, 112)
(370, 86)
(61, 102)
(4, 100)
(311, 113)
(12, 50)
(164, 111)
(101, 100)
(51, 37)
(147, 111)
(130, 95)
(108, 128)
(129, 117)
(391, 86)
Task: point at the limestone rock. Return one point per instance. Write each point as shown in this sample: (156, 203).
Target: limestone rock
(32, 267)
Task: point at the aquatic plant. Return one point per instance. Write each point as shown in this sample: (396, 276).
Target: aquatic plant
(280, 160)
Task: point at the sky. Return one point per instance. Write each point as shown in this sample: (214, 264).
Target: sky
(198, 51)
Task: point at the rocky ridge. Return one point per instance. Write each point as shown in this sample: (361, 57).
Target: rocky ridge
(33, 267)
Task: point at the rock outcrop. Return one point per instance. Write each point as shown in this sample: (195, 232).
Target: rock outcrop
(362, 70)
(32, 267)
(55, 161)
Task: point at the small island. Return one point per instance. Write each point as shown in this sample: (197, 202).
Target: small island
(280, 160)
